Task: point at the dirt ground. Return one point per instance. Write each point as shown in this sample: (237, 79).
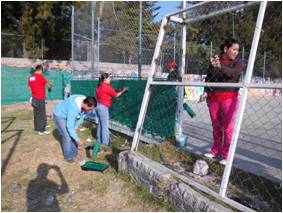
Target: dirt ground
(36, 178)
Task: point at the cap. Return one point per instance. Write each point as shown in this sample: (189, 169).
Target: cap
(171, 64)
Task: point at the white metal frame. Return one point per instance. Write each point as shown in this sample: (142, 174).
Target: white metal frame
(243, 100)
(245, 85)
(180, 90)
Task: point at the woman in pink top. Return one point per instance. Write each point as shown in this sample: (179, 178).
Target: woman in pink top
(104, 95)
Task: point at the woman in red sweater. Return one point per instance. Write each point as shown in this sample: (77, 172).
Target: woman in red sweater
(104, 95)
(223, 101)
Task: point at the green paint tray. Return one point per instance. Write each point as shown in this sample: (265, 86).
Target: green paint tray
(93, 166)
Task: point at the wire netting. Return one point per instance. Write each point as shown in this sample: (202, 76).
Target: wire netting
(114, 38)
(14, 84)
(12, 46)
(256, 177)
(159, 122)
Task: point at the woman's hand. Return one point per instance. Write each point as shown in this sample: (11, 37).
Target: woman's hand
(80, 144)
(215, 62)
(125, 89)
(202, 97)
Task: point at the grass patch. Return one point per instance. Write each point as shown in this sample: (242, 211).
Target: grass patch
(23, 115)
(244, 187)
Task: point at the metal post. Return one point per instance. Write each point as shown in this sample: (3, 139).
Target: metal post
(140, 42)
(41, 49)
(210, 54)
(72, 38)
(264, 59)
(92, 37)
(226, 175)
(180, 109)
(233, 28)
(98, 34)
(174, 46)
(98, 40)
(243, 59)
(148, 86)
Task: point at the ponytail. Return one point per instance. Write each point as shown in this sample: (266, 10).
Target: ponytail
(103, 76)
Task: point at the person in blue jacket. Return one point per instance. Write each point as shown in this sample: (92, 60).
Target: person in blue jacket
(68, 116)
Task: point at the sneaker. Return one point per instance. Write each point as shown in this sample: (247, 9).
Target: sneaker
(209, 155)
(223, 162)
(44, 133)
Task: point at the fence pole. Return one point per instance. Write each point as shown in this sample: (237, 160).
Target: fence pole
(98, 42)
(140, 42)
(232, 149)
(243, 59)
(264, 60)
(179, 123)
(148, 86)
(210, 50)
(174, 46)
(72, 38)
(41, 49)
(98, 34)
(92, 37)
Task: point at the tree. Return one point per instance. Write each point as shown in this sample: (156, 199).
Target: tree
(47, 23)
(216, 29)
(121, 32)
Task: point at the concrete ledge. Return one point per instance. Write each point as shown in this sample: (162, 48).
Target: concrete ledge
(158, 180)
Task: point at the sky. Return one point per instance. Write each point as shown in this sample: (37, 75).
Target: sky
(166, 8)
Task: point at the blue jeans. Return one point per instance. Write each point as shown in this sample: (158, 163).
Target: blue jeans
(69, 146)
(102, 132)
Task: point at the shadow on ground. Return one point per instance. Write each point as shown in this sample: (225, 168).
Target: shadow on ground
(42, 192)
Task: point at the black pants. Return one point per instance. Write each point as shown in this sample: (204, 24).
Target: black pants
(39, 114)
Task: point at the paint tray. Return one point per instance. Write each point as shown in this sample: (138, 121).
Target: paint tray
(93, 166)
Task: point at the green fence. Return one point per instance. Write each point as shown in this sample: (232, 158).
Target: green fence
(14, 84)
(160, 118)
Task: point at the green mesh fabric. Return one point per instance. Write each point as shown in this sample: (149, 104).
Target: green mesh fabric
(14, 84)
(160, 117)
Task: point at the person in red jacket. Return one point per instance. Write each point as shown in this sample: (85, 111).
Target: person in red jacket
(37, 83)
(104, 95)
(223, 101)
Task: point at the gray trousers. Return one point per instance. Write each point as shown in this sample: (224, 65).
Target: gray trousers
(39, 114)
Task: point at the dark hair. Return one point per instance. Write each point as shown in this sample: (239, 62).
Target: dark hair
(228, 43)
(90, 101)
(102, 77)
(39, 67)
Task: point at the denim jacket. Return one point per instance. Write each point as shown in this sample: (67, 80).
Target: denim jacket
(71, 112)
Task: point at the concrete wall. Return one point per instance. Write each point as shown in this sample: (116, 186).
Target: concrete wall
(114, 68)
(158, 180)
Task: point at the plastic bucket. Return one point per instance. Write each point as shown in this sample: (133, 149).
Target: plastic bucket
(181, 141)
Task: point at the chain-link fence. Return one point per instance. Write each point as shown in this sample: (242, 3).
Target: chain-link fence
(108, 38)
(12, 46)
(14, 81)
(256, 175)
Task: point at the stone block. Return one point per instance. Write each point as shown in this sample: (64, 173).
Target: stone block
(200, 168)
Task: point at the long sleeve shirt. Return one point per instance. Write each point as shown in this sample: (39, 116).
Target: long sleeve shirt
(105, 93)
(229, 72)
(70, 110)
